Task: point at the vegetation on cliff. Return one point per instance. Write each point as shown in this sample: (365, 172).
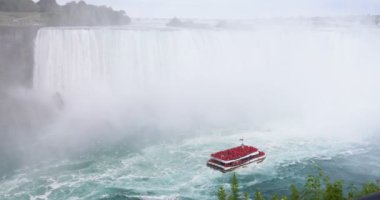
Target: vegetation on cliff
(48, 12)
(316, 187)
(176, 22)
(18, 6)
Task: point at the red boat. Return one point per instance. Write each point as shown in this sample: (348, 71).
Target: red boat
(230, 159)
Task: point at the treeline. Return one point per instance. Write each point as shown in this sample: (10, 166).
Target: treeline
(18, 6)
(176, 22)
(317, 187)
(71, 14)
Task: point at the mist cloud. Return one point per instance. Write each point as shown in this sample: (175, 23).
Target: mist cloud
(226, 9)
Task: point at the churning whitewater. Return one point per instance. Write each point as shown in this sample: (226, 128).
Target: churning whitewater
(142, 109)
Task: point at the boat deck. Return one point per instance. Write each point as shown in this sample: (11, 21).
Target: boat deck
(233, 158)
(234, 153)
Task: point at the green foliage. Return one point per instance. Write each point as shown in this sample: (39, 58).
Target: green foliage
(294, 193)
(275, 197)
(246, 196)
(334, 191)
(316, 187)
(234, 188)
(352, 192)
(259, 195)
(284, 198)
(222, 193)
(312, 188)
(369, 188)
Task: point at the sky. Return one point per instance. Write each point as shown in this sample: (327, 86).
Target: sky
(239, 9)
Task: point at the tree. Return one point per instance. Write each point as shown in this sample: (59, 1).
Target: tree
(81, 14)
(312, 188)
(221, 24)
(259, 195)
(47, 5)
(246, 196)
(317, 187)
(234, 188)
(334, 191)
(175, 22)
(369, 188)
(352, 192)
(222, 193)
(294, 194)
(18, 6)
(275, 197)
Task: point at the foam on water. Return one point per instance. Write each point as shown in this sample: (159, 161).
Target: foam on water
(174, 170)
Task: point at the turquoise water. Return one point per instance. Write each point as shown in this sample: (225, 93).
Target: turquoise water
(175, 168)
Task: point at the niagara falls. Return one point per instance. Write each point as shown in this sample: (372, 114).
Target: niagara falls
(160, 101)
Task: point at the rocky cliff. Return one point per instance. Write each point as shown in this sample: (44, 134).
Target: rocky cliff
(16, 55)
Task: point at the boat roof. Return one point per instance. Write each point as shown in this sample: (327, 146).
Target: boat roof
(234, 153)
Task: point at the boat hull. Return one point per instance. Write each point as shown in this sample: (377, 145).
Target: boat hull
(228, 169)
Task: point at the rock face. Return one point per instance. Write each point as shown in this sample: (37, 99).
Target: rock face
(16, 55)
(21, 115)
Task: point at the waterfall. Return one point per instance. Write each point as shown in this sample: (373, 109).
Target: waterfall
(67, 59)
(328, 74)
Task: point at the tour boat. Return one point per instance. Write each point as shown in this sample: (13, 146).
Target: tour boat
(230, 159)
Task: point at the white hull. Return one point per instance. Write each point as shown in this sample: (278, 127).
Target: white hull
(227, 169)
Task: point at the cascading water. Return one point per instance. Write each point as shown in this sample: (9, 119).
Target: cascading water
(262, 75)
(286, 90)
(70, 58)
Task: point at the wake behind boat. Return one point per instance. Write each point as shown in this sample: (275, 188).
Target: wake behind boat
(233, 158)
